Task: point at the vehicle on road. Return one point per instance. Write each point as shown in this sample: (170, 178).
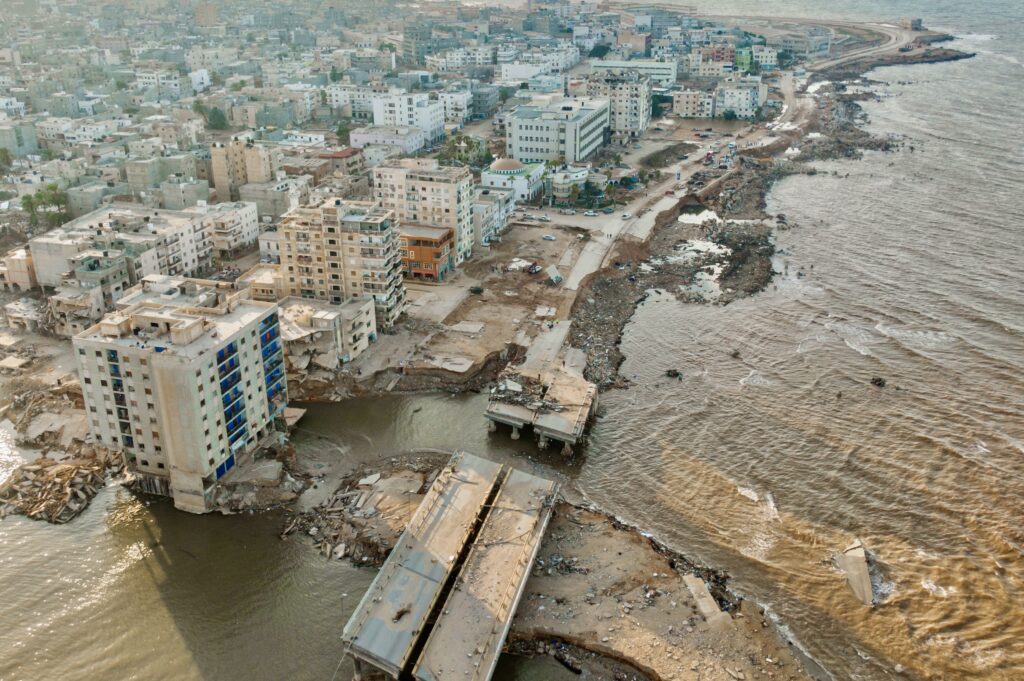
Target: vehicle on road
(591, 213)
(534, 268)
(626, 216)
(544, 218)
(548, 237)
(608, 211)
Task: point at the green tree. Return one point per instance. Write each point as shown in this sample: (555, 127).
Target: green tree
(387, 47)
(343, 132)
(216, 119)
(50, 202)
(199, 108)
(729, 115)
(6, 161)
(120, 85)
(28, 204)
(335, 74)
(599, 51)
(238, 85)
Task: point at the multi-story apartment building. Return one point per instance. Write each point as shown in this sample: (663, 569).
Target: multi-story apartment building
(242, 161)
(169, 84)
(661, 72)
(426, 251)
(693, 104)
(416, 110)
(492, 209)
(458, 106)
(232, 227)
(407, 140)
(421, 191)
(629, 98)
(157, 241)
(741, 96)
(185, 380)
(559, 130)
(340, 250)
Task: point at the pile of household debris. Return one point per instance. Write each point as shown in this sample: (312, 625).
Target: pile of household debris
(363, 519)
(55, 491)
(51, 418)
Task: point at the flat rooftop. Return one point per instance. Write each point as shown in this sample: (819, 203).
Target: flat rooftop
(424, 231)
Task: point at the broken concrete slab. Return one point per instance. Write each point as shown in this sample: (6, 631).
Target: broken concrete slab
(544, 311)
(265, 472)
(717, 619)
(854, 562)
(12, 362)
(369, 479)
(467, 326)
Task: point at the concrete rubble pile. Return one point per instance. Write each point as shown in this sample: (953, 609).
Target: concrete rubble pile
(524, 391)
(55, 491)
(364, 518)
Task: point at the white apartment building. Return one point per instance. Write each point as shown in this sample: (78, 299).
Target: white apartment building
(159, 242)
(458, 106)
(742, 96)
(661, 72)
(767, 58)
(492, 209)
(339, 97)
(554, 59)
(408, 140)
(421, 191)
(629, 97)
(233, 226)
(340, 250)
(416, 110)
(519, 72)
(185, 380)
(458, 59)
(553, 129)
(170, 84)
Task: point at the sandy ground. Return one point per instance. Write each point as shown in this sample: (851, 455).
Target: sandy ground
(606, 589)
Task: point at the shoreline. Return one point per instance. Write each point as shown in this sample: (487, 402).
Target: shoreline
(615, 282)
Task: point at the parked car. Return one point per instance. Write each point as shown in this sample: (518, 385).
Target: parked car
(591, 213)
(548, 237)
(544, 218)
(534, 268)
(626, 216)
(608, 211)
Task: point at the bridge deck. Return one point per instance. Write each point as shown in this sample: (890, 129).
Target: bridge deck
(393, 613)
(468, 636)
